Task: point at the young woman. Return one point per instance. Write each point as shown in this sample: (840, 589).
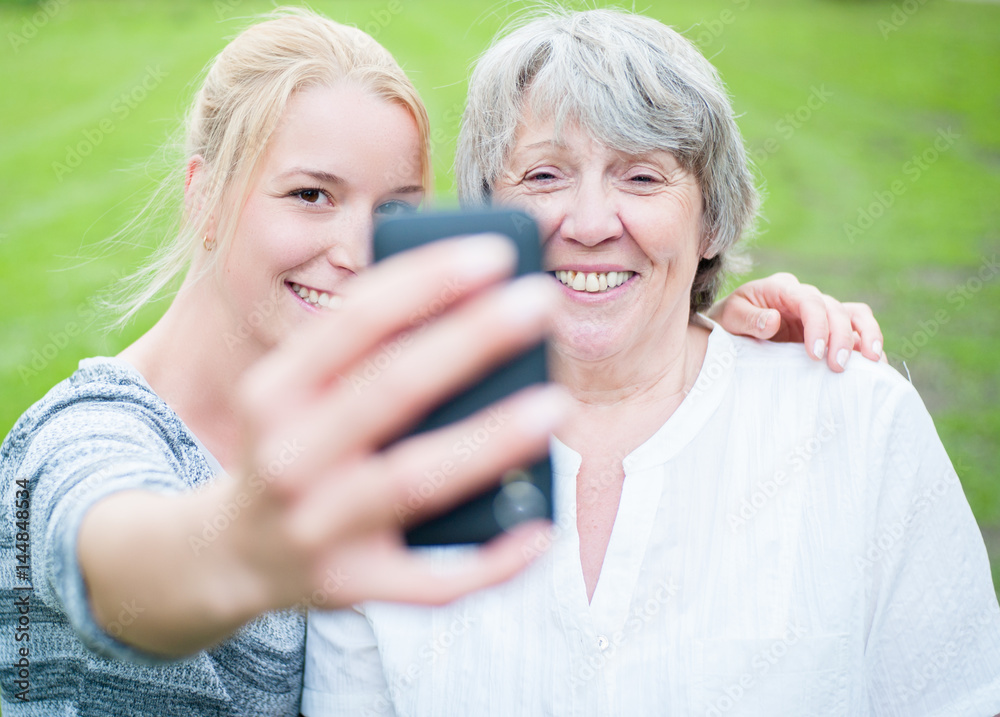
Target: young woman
(181, 499)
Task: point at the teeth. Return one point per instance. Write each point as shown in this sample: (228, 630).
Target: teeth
(317, 298)
(593, 282)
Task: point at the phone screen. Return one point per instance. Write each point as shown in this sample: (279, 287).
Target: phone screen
(525, 492)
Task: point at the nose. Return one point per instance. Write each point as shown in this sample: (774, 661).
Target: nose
(592, 215)
(351, 247)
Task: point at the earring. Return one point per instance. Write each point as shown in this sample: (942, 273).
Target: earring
(209, 244)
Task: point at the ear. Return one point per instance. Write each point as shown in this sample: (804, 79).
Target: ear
(194, 185)
(707, 250)
(194, 190)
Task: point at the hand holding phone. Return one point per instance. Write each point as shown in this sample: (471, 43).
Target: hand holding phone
(524, 493)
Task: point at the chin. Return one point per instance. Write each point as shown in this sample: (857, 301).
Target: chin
(591, 341)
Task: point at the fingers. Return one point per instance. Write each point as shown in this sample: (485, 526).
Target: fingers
(738, 314)
(869, 335)
(403, 575)
(429, 473)
(847, 326)
(810, 310)
(391, 297)
(383, 396)
(831, 330)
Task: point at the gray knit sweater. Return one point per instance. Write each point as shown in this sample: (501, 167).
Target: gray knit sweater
(99, 431)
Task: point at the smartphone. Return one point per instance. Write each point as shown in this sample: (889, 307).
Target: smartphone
(525, 492)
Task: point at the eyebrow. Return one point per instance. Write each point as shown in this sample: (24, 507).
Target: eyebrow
(545, 143)
(317, 174)
(409, 189)
(329, 178)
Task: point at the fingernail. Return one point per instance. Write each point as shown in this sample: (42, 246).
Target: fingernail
(762, 319)
(819, 348)
(543, 410)
(486, 255)
(842, 356)
(528, 299)
(877, 348)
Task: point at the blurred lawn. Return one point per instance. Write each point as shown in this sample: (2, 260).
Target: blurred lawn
(842, 103)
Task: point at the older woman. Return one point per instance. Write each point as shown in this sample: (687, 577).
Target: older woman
(737, 531)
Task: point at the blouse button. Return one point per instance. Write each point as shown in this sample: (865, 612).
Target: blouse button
(602, 643)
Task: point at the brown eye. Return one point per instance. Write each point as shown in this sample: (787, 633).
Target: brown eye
(310, 195)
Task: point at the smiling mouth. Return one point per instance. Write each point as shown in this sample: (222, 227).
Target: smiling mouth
(314, 297)
(593, 282)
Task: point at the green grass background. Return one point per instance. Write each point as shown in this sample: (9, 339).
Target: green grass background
(891, 76)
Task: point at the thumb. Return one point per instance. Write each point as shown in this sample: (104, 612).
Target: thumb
(763, 323)
(738, 315)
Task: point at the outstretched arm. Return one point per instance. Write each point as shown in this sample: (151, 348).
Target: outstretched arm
(780, 308)
(321, 523)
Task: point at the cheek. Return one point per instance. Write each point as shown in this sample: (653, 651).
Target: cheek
(272, 241)
(543, 208)
(671, 234)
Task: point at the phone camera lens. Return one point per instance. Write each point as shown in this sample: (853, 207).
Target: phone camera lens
(518, 501)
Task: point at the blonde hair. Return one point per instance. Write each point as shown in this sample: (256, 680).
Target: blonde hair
(236, 110)
(634, 84)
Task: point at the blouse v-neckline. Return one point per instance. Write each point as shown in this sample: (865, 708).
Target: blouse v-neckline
(604, 617)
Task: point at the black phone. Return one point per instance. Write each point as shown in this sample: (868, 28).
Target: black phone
(525, 492)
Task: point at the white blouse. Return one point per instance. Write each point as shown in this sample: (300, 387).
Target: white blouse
(790, 542)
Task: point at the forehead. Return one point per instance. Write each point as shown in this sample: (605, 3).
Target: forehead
(544, 134)
(347, 129)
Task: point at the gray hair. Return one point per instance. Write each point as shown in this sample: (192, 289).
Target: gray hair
(636, 86)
